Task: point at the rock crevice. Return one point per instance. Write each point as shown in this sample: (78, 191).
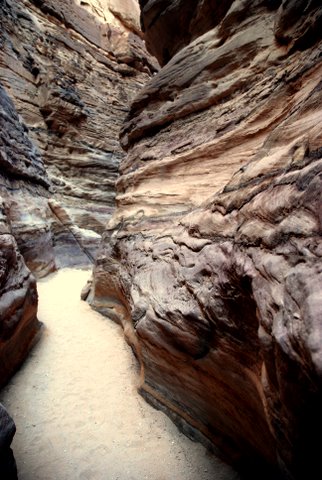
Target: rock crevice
(70, 69)
(67, 73)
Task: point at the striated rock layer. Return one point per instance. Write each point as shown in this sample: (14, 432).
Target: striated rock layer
(67, 72)
(212, 260)
(23, 203)
(71, 69)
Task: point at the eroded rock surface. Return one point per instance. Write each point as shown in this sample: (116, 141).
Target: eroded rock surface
(67, 72)
(71, 69)
(212, 261)
(23, 204)
(24, 187)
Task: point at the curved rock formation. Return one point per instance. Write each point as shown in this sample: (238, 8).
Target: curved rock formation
(71, 69)
(212, 260)
(67, 72)
(23, 188)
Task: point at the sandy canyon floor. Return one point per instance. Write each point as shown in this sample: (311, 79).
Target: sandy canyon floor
(75, 404)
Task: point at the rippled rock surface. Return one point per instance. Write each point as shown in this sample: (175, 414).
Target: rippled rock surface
(212, 260)
(23, 194)
(67, 73)
(70, 69)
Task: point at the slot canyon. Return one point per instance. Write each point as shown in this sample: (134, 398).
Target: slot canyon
(160, 239)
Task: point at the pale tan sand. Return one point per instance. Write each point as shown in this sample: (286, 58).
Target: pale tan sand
(76, 408)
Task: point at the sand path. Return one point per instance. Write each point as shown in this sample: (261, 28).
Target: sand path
(76, 408)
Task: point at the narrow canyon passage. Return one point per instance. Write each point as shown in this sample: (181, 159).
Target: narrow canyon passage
(76, 407)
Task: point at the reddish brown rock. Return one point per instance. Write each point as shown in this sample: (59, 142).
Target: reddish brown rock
(170, 25)
(71, 69)
(19, 326)
(212, 260)
(23, 189)
(68, 70)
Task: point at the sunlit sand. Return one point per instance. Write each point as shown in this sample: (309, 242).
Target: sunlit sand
(76, 407)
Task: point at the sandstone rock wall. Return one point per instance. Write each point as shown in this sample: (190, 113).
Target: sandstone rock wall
(71, 69)
(67, 73)
(23, 204)
(212, 260)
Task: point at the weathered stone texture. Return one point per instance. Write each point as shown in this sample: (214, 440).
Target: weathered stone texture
(67, 72)
(169, 25)
(71, 68)
(212, 261)
(24, 190)
(23, 197)
(18, 305)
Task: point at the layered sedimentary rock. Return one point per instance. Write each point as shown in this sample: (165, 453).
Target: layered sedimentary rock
(212, 261)
(71, 69)
(23, 207)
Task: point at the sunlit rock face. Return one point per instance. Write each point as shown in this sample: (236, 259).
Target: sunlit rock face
(71, 68)
(23, 210)
(67, 73)
(212, 260)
